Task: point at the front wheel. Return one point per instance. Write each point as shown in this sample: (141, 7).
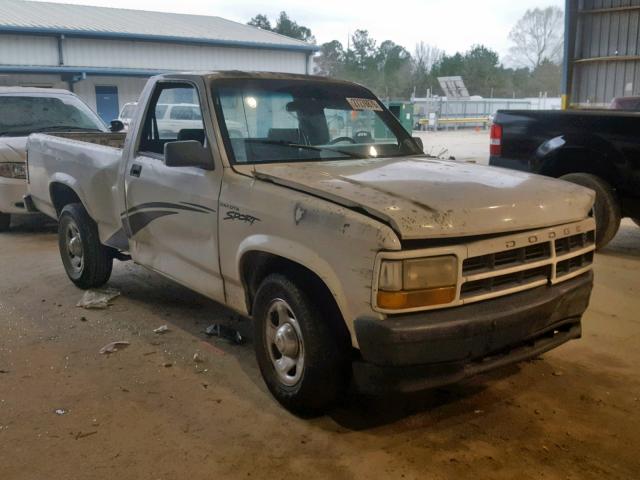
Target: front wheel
(606, 208)
(303, 360)
(87, 262)
(5, 221)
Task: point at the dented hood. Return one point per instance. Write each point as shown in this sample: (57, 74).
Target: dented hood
(13, 149)
(428, 198)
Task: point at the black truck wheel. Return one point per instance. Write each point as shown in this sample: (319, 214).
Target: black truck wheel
(606, 208)
(5, 221)
(87, 262)
(303, 360)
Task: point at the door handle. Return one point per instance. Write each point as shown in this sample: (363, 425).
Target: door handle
(135, 170)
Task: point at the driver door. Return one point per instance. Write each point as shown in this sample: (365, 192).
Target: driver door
(171, 212)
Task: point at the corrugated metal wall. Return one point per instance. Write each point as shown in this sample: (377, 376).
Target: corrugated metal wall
(20, 50)
(173, 56)
(606, 58)
(32, 50)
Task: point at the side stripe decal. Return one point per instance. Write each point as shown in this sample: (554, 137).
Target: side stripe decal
(192, 207)
(138, 217)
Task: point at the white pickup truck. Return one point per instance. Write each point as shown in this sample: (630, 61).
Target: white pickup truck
(25, 110)
(359, 258)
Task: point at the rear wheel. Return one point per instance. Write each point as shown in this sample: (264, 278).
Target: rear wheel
(87, 262)
(303, 359)
(5, 221)
(606, 208)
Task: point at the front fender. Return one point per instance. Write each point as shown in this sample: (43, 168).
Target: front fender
(298, 253)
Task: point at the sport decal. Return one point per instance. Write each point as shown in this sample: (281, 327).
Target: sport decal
(242, 217)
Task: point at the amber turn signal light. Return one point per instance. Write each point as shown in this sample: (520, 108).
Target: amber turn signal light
(415, 299)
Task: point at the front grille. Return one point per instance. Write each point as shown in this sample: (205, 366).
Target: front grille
(507, 258)
(574, 242)
(519, 268)
(565, 267)
(504, 282)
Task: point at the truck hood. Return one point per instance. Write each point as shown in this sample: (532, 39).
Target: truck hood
(13, 149)
(424, 198)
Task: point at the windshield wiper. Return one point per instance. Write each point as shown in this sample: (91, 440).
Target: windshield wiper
(304, 147)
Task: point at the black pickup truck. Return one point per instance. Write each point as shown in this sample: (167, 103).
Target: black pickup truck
(596, 149)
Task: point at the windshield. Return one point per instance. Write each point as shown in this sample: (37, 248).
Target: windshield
(306, 120)
(127, 111)
(21, 115)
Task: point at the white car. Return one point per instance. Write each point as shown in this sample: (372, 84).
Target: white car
(126, 114)
(172, 118)
(24, 111)
(358, 257)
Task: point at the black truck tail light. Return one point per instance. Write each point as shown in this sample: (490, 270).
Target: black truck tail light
(495, 145)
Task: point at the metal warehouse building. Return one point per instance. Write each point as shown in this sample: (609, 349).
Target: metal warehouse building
(106, 54)
(602, 51)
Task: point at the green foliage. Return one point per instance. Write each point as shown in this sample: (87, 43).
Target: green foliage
(284, 26)
(391, 71)
(260, 21)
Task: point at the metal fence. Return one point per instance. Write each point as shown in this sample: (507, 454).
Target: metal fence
(440, 112)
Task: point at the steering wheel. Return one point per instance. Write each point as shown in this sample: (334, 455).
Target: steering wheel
(363, 136)
(342, 139)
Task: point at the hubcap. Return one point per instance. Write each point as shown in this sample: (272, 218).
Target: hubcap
(283, 339)
(74, 247)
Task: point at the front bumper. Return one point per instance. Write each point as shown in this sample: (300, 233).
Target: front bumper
(419, 351)
(11, 192)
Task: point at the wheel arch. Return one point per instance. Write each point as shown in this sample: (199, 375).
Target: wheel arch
(62, 194)
(259, 257)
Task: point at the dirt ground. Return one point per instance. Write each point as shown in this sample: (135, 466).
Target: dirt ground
(150, 412)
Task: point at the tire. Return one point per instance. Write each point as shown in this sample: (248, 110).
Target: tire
(322, 368)
(87, 262)
(5, 221)
(606, 208)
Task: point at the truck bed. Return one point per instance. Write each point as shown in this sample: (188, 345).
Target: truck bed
(86, 164)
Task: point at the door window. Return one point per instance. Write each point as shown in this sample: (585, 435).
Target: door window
(169, 118)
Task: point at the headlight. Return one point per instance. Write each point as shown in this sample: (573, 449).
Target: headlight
(420, 282)
(13, 170)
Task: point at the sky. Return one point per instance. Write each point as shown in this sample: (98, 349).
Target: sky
(451, 25)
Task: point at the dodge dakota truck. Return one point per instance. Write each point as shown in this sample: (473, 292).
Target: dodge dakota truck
(25, 110)
(361, 260)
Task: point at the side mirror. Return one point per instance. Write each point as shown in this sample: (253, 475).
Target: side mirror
(187, 153)
(116, 126)
(418, 141)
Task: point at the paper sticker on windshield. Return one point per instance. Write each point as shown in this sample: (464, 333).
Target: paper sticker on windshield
(364, 104)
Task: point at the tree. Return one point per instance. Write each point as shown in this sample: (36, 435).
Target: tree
(538, 36)
(363, 48)
(284, 26)
(330, 60)
(425, 57)
(546, 79)
(260, 21)
(394, 65)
